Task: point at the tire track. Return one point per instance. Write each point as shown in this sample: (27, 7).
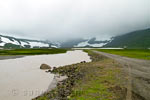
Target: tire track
(139, 75)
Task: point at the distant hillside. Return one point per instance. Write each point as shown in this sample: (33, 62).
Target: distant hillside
(92, 42)
(81, 42)
(12, 42)
(137, 39)
(70, 43)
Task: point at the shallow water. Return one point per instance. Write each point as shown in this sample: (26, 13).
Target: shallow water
(22, 78)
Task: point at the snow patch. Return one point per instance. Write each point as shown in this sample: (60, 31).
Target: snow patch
(38, 44)
(24, 43)
(53, 46)
(6, 40)
(2, 44)
(83, 44)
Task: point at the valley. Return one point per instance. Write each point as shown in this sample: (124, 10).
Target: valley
(74, 49)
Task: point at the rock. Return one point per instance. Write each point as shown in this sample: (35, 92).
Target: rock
(54, 68)
(48, 71)
(45, 66)
(83, 62)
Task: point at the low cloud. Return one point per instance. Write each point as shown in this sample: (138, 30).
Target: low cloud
(65, 19)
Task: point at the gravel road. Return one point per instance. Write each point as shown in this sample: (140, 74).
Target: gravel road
(139, 72)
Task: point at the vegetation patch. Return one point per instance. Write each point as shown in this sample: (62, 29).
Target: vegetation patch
(31, 51)
(132, 53)
(135, 40)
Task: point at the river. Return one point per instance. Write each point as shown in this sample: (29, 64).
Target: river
(22, 78)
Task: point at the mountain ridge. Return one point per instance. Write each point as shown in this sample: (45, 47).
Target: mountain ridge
(137, 40)
(12, 42)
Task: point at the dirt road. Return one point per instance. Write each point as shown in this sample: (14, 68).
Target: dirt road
(139, 72)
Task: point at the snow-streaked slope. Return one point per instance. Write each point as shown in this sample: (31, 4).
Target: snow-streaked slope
(83, 44)
(6, 40)
(2, 44)
(93, 42)
(34, 44)
(24, 42)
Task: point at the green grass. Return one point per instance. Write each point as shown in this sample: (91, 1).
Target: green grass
(31, 51)
(96, 85)
(132, 53)
(100, 78)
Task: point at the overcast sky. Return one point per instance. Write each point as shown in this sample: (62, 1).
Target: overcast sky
(64, 19)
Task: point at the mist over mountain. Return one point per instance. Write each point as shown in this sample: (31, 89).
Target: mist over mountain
(73, 23)
(62, 20)
(135, 40)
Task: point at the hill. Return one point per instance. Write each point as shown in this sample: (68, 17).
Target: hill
(92, 42)
(12, 42)
(137, 40)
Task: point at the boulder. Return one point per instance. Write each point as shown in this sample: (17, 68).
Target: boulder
(45, 66)
(83, 62)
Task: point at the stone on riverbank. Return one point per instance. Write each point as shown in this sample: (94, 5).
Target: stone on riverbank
(45, 66)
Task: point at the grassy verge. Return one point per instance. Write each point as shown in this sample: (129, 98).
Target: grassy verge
(31, 51)
(132, 53)
(100, 79)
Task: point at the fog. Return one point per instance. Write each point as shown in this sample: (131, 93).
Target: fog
(65, 19)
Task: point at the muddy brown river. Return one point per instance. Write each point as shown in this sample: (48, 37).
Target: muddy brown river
(22, 78)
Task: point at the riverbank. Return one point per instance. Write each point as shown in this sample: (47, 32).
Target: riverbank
(103, 78)
(9, 57)
(19, 53)
(31, 51)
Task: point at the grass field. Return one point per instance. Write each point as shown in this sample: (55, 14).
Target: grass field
(31, 51)
(132, 53)
(100, 81)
